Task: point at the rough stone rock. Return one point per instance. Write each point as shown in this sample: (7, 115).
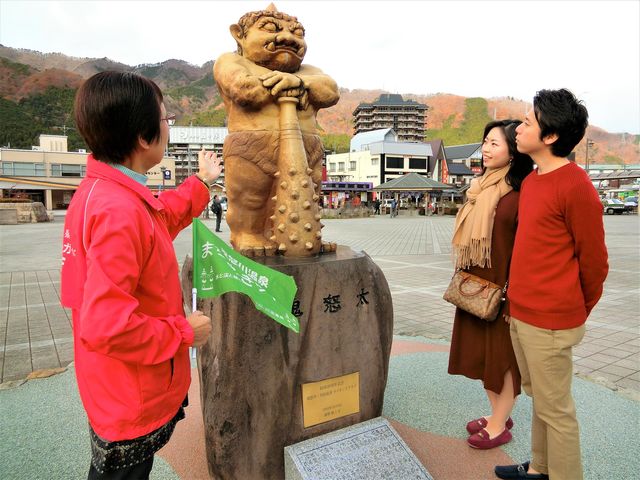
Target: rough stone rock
(26, 213)
(252, 368)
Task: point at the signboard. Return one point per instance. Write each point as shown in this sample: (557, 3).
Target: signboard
(330, 399)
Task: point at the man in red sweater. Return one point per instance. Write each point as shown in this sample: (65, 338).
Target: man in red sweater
(557, 272)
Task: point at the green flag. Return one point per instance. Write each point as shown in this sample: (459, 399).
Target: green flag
(218, 269)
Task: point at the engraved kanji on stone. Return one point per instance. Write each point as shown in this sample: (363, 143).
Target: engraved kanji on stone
(295, 309)
(362, 297)
(331, 303)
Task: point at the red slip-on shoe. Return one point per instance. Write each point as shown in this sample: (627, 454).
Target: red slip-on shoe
(482, 441)
(474, 426)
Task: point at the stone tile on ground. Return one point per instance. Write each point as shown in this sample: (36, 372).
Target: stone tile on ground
(44, 357)
(617, 370)
(16, 365)
(608, 376)
(414, 253)
(629, 383)
(604, 358)
(589, 363)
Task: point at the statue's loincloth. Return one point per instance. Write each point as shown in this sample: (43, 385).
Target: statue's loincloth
(262, 147)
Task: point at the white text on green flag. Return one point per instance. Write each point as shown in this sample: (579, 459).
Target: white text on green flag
(218, 269)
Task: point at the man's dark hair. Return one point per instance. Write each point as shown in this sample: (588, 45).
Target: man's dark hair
(113, 110)
(560, 112)
(521, 163)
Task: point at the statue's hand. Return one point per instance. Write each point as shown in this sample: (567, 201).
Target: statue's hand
(277, 82)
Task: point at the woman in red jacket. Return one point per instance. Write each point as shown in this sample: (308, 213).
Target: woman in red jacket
(120, 276)
(483, 241)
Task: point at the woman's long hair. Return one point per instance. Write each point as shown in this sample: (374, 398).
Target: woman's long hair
(521, 163)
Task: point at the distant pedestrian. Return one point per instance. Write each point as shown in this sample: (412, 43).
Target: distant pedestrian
(483, 242)
(216, 208)
(558, 269)
(120, 277)
(376, 207)
(394, 208)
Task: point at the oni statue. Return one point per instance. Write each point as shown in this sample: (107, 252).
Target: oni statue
(273, 154)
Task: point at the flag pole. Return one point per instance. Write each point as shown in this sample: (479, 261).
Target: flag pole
(194, 290)
(194, 301)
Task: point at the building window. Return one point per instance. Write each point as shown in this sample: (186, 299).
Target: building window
(65, 170)
(374, 162)
(395, 162)
(418, 163)
(352, 165)
(20, 169)
(341, 166)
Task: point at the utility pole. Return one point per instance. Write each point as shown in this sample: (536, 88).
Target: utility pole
(64, 128)
(586, 155)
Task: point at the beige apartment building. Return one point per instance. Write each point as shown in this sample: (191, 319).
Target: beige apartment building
(406, 117)
(50, 174)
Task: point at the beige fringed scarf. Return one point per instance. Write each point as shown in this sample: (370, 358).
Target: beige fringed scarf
(474, 222)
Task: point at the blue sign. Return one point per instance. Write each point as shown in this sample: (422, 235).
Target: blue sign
(167, 174)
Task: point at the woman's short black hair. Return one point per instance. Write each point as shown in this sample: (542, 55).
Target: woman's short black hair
(521, 163)
(560, 112)
(113, 110)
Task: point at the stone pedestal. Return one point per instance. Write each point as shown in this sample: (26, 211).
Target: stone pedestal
(252, 369)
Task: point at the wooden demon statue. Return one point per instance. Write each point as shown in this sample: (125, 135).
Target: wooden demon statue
(273, 155)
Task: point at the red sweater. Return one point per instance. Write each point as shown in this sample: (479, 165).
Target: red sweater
(559, 259)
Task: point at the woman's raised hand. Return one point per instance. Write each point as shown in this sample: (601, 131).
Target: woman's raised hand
(209, 166)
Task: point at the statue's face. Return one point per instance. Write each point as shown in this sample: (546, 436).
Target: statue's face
(276, 44)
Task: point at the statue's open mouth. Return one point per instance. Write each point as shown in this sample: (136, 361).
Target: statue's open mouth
(288, 46)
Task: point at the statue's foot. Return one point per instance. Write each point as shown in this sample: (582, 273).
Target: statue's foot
(252, 245)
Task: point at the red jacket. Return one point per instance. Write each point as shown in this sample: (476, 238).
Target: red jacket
(559, 261)
(120, 278)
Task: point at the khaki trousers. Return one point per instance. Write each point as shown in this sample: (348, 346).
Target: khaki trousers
(546, 366)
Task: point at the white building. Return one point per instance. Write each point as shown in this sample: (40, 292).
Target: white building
(48, 173)
(186, 142)
(377, 157)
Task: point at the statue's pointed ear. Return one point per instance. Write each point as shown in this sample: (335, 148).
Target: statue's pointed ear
(236, 32)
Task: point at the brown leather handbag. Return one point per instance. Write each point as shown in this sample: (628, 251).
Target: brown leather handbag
(475, 295)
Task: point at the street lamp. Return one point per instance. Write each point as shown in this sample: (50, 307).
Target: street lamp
(162, 169)
(586, 155)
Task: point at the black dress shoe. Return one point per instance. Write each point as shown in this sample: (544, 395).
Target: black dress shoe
(518, 472)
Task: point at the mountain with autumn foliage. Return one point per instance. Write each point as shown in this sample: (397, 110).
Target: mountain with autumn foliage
(37, 91)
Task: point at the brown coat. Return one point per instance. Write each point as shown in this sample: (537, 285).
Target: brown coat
(482, 350)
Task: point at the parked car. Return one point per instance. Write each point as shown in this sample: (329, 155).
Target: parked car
(631, 204)
(613, 206)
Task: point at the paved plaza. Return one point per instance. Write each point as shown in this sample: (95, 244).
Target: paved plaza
(413, 252)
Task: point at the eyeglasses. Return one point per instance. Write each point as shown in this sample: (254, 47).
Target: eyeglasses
(170, 118)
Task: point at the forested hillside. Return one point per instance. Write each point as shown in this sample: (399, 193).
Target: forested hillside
(37, 92)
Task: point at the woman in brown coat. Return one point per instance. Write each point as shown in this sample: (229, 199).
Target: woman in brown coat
(482, 243)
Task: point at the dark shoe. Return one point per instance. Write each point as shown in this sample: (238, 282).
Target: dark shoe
(518, 471)
(218, 230)
(482, 441)
(474, 426)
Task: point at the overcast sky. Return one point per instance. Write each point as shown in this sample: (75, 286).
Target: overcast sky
(469, 48)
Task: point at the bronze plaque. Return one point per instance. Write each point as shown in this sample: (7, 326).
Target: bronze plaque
(330, 399)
